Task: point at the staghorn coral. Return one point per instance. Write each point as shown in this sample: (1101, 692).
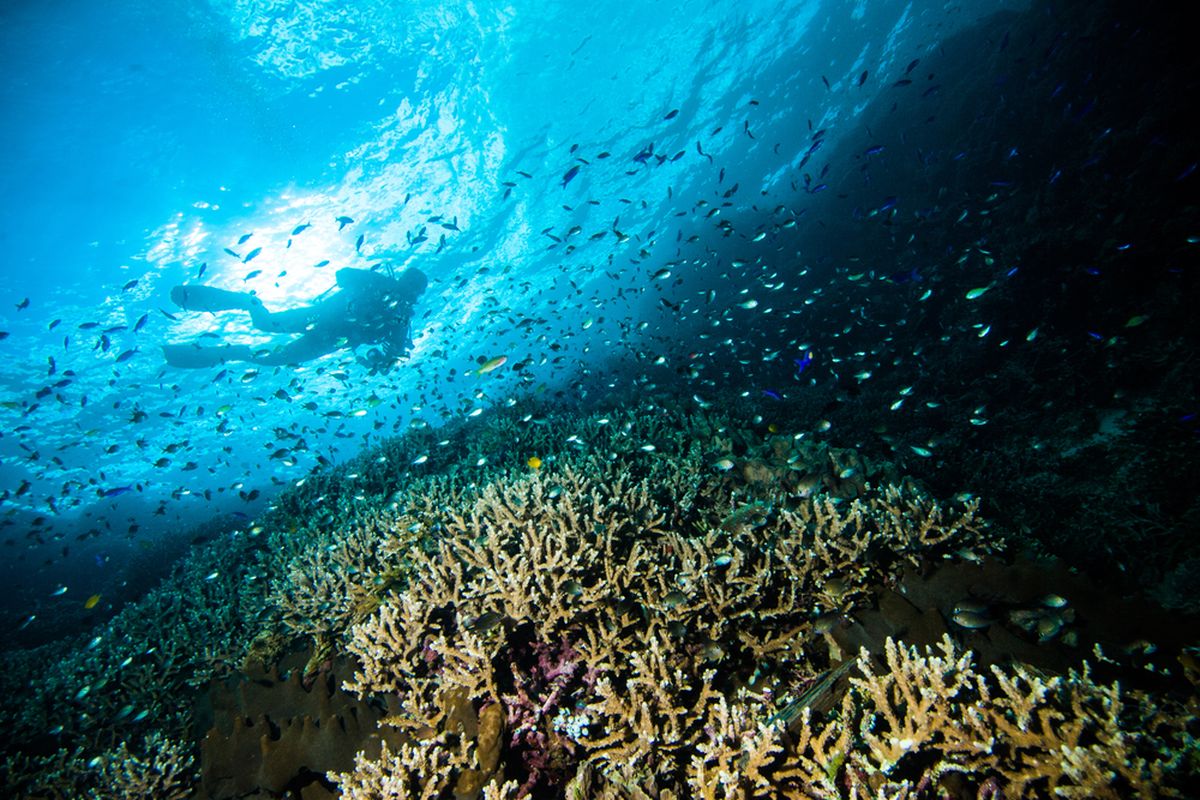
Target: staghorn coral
(418, 770)
(903, 729)
(615, 622)
(163, 771)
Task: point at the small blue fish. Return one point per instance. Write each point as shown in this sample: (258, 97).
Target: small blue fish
(115, 491)
(803, 363)
(569, 175)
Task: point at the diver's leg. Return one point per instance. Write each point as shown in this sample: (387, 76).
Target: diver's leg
(296, 320)
(297, 351)
(193, 356)
(210, 298)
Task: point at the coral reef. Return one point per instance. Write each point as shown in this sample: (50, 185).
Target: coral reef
(670, 604)
(67, 707)
(614, 606)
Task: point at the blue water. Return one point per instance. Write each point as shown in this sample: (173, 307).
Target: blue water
(144, 139)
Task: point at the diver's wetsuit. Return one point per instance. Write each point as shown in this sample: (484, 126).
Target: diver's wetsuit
(370, 309)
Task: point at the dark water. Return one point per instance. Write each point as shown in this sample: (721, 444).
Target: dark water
(959, 240)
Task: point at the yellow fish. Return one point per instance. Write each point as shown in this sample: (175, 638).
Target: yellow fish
(534, 462)
(91, 601)
(491, 364)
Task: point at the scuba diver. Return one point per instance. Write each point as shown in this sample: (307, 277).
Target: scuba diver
(369, 308)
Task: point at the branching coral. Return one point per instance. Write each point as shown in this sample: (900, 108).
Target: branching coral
(161, 772)
(925, 716)
(610, 619)
(417, 771)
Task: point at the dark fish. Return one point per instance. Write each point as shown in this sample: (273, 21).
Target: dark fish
(569, 175)
(24, 304)
(114, 492)
(672, 114)
(912, 65)
(902, 82)
(825, 81)
(141, 323)
(203, 267)
(343, 222)
(129, 285)
(128, 354)
(251, 255)
(863, 78)
(910, 276)
(168, 315)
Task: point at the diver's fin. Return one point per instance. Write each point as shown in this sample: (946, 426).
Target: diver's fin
(210, 298)
(193, 356)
